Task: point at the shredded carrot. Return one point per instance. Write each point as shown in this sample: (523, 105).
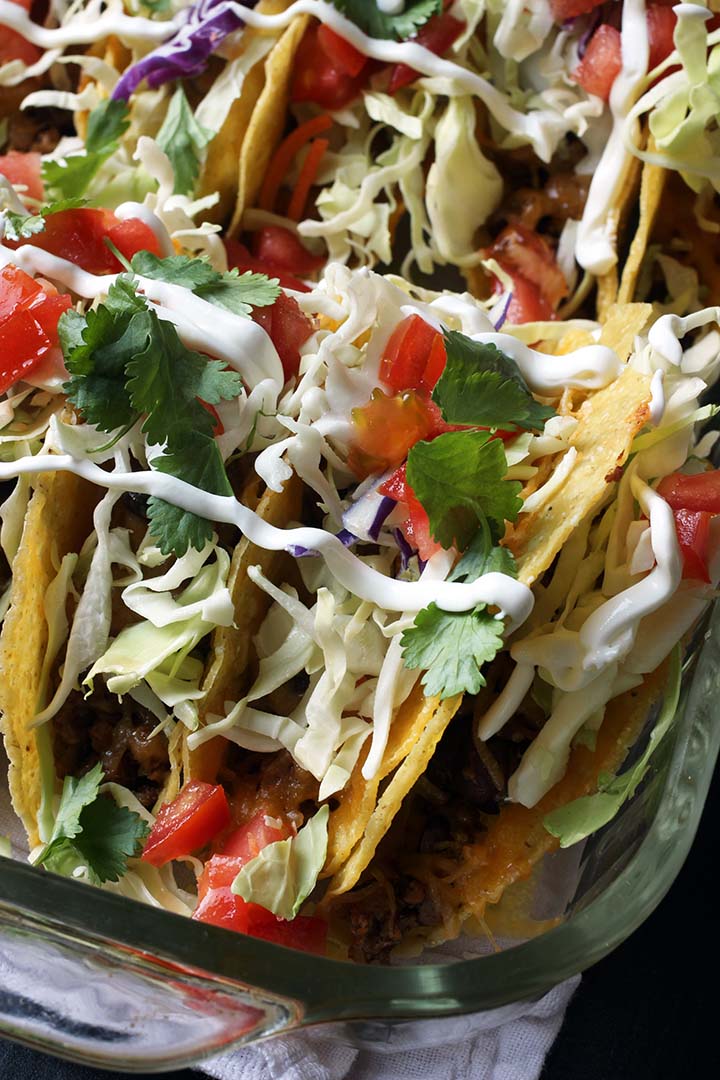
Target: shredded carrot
(284, 155)
(306, 179)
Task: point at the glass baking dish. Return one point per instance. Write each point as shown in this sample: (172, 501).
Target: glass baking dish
(108, 982)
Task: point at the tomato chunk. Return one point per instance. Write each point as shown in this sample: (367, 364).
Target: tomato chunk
(23, 344)
(239, 258)
(343, 56)
(661, 27)
(317, 78)
(527, 304)
(189, 822)
(79, 236)
(29, 313)
(416, 528)
(437, 35)
(693, 533)
(17, 290)
(387, 427)
(23, 170)
(275, 246)
(601, 63)
(219, 906)
(700, 491)
(521, 251)
(288, 329)
(414, 357)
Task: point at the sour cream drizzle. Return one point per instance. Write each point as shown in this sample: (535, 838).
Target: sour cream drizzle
(665, 334)
(595, 245)
(588, 368)
(514, 599)
(574, 658)
(657, 398)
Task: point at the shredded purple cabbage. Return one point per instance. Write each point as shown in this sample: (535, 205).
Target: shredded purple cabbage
(346, 538)
(385, 508)
(500, 321)
(406, 552)
(187, 52)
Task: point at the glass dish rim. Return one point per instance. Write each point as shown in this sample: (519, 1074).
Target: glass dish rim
(331, 989)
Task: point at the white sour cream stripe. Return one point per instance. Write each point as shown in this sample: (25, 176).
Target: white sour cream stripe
(513, 599)
(590, 368)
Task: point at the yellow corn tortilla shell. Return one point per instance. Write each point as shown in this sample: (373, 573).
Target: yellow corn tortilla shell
(49, 533)
(266, 125)
(516, 839)
(652, 186)
(608, 423)
(226, 676)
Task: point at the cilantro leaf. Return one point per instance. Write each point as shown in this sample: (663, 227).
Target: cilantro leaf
(165, 380)
(460, 480)
(22, 226)
(377, 24)
(238, 293)
(482, 385)
(70, 177)
(198, 463)
(183, 140)
(156, 6)
(482, 558)
(452, 647)
(91, 829)
(97, 348)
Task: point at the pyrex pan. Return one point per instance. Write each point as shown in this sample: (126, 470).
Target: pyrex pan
(106, 981)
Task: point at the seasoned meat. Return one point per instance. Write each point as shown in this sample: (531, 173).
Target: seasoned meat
(115, 733)
(273, 783)
(38, 130)
(385, 915)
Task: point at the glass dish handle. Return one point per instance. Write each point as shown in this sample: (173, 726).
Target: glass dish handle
(110, 1006)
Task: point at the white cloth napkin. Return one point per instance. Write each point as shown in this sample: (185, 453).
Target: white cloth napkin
(511, 1050)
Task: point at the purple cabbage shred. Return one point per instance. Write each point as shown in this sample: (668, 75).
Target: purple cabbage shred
(187, 52)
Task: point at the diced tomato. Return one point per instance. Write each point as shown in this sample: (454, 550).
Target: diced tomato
(29, 313)
(701, 491)
(247, 841)
(79, 236)
(23, 170)
(23, 344)
(661, 23)
(317, 78)
(522, 251)
(396, 486)
(388, 426)
(17, 290)
(343, 56)
(221, 907)
(186, 824)
(437, 35)
(601, 63)
(13, 46)
(219, 427)
(239, 258)
(416, 528)
(527, 304)
(568, 9)
(276, 247)
(288, 328)
(693, 533)
(414, 357)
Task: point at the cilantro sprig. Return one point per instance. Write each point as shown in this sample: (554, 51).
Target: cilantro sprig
(378, 24)
(92, 830)
(125, 363)
(236, 292)
(70, 177)
(183, 139)
(453, 647)
(484, 386)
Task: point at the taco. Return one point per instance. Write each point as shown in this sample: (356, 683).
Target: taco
(441, 502)
(519, 117)
(193, 80)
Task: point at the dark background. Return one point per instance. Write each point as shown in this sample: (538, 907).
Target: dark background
(650, 1011)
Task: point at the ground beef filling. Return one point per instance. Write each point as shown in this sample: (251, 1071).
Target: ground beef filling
(38, 130)
(116, 733)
